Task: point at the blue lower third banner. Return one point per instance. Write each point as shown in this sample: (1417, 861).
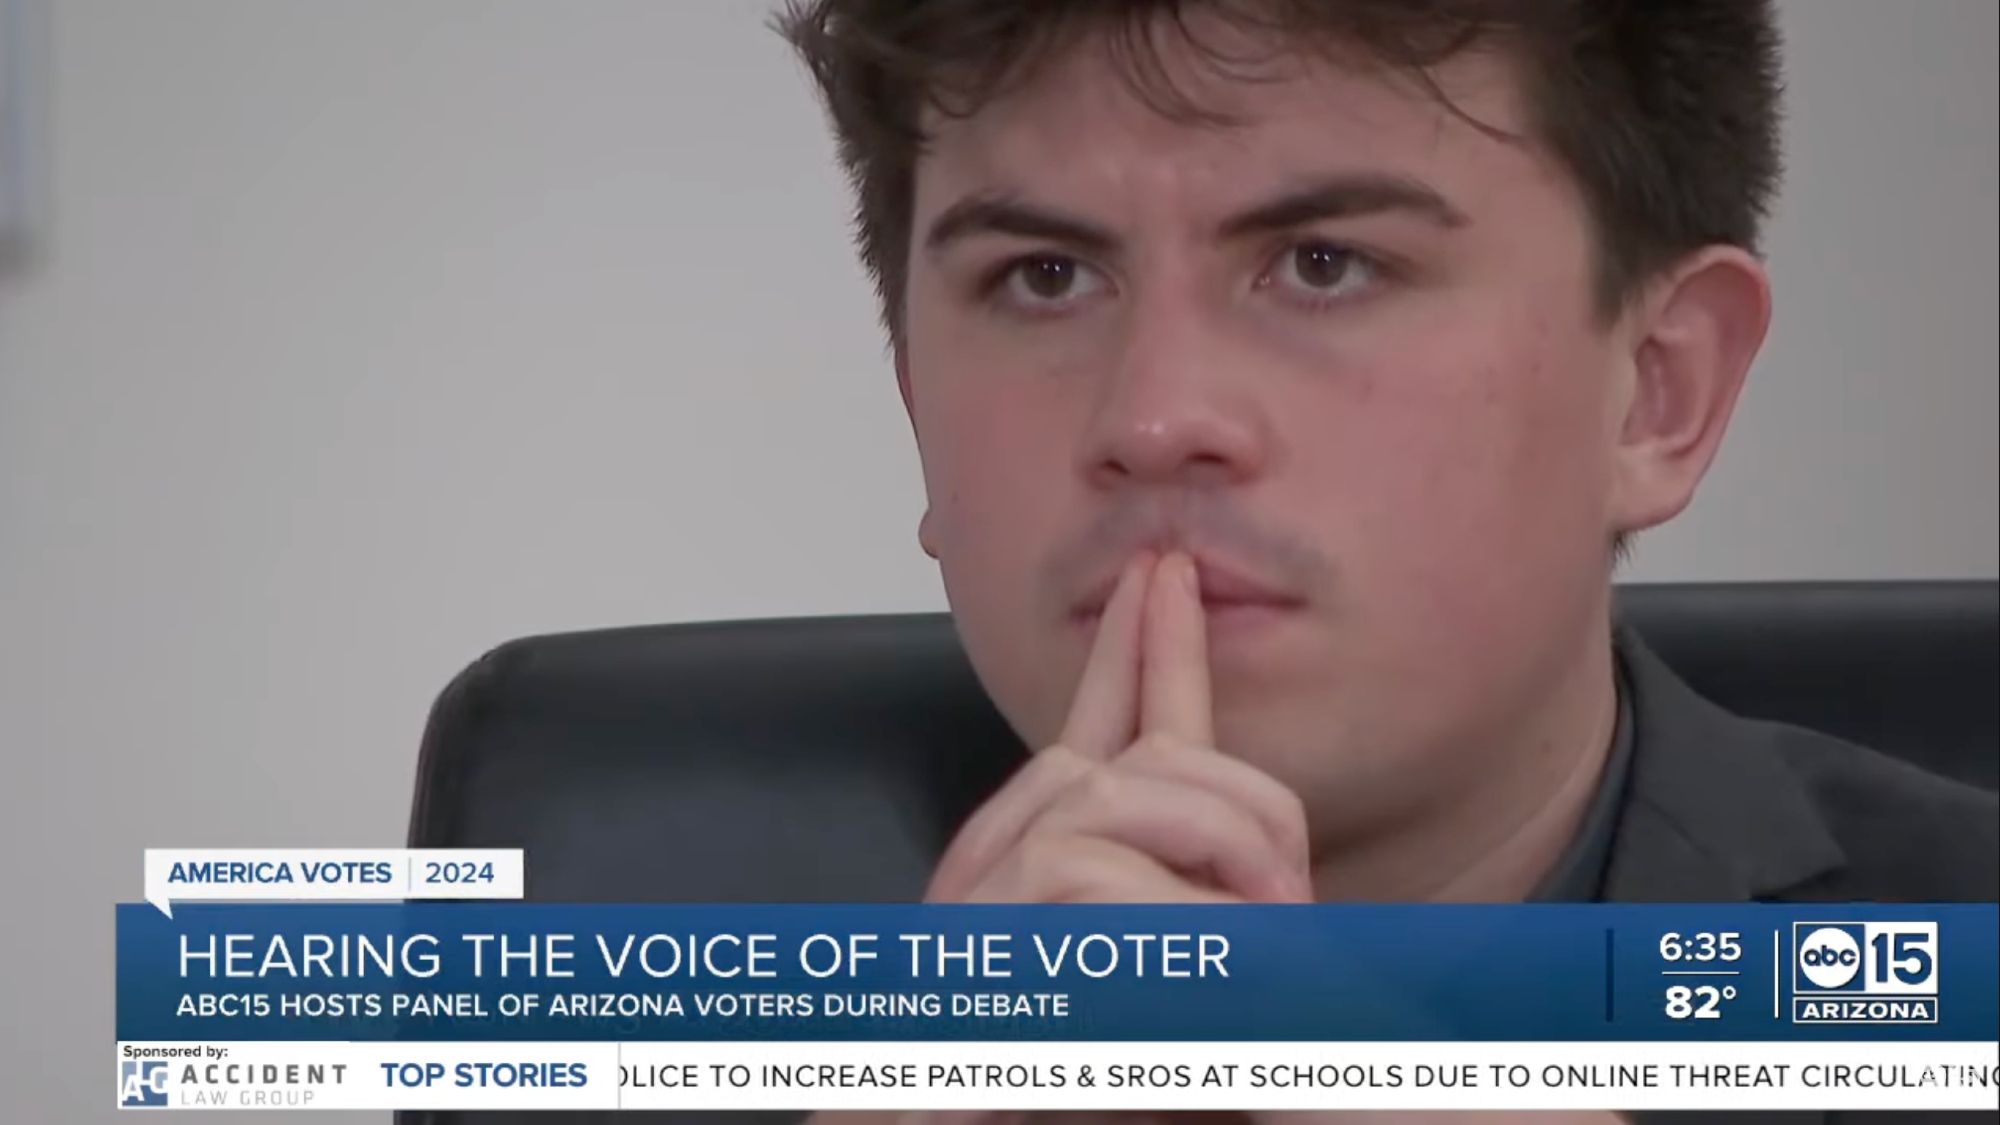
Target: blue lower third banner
(464, 1005)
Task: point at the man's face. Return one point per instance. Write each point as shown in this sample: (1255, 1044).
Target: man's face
(1342, 349)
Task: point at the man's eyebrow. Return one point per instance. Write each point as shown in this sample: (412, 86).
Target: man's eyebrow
(986, 214)
(1344, 197)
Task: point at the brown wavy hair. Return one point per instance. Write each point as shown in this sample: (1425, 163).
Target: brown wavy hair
(1665, 112)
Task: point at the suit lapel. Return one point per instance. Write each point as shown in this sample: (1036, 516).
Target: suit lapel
(1713, 812)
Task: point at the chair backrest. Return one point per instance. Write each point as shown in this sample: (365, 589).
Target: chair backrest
(825, 759)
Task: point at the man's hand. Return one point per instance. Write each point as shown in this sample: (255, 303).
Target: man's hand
(1133, 803)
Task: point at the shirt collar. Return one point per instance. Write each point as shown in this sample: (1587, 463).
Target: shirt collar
(1578, 874)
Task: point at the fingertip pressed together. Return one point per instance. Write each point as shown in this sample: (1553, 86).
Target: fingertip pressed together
(1174, 684)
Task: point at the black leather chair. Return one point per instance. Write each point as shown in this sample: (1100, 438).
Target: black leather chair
(824, 759)
(827, 759)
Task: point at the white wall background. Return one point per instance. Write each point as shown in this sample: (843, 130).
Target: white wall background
(366, 335)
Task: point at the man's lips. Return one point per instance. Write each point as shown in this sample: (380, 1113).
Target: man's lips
(1223, 589)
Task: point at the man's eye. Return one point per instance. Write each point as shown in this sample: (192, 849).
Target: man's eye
(1321, 271)
(1048, 281)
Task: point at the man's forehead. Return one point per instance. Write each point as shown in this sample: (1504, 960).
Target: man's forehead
(1089, 120)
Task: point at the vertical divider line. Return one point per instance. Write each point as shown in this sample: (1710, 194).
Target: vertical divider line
(1608, 976)
(1777, 959)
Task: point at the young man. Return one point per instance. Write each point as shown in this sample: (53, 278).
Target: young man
(1287, 375)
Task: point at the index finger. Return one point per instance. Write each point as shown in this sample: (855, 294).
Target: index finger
(1174, 692)
(1105, 707)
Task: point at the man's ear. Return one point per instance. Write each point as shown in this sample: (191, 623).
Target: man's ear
(926, 527)
(1696, 332)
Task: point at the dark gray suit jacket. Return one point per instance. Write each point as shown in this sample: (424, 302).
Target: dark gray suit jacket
(1720, 808)
(1725, 809)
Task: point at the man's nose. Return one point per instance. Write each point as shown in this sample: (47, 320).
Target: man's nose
(1175, 407)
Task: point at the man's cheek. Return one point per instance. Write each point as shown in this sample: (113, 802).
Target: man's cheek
(989, 517)
(1486, 558)
(998, 529)
(1437, 513)
(1017, 648)
(989, 489)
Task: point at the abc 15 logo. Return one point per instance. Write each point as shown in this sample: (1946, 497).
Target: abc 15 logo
(1865, 958)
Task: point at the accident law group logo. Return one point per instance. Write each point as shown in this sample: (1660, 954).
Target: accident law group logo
(142, 1083)
(1864, 972)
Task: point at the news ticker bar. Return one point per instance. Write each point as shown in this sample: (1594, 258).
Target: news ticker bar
(531, 972)
(1075, 1076)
